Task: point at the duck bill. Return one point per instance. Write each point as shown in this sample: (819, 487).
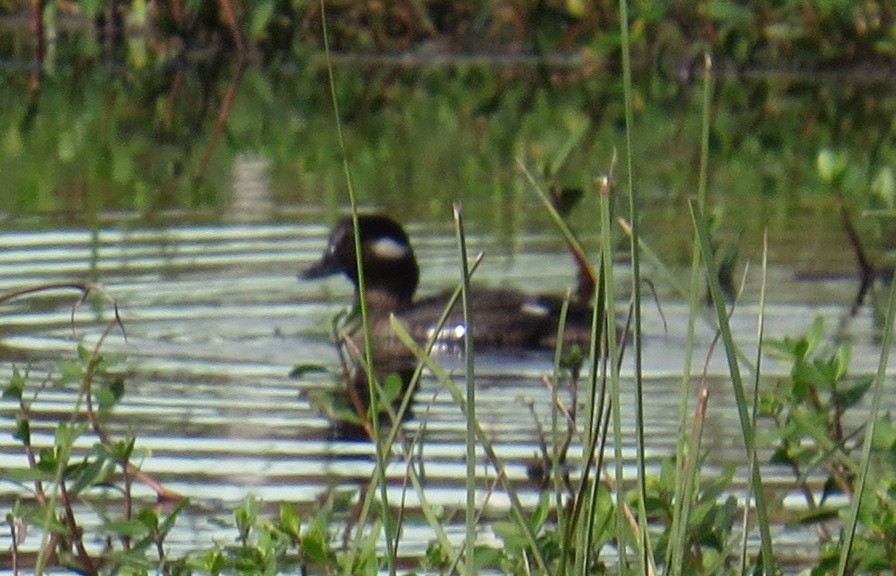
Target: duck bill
(320, 269)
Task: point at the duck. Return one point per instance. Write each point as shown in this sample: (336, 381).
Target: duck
(502, 318)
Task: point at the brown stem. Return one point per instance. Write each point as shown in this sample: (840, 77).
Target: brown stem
(14, 545)
(128, 501)
(37, 33)
(362, 407)
(230, 19)
(84, 287)
(866, 266)
(162, 493)
(75, 531)
(39, 494)
(177, 86)
(223, 115)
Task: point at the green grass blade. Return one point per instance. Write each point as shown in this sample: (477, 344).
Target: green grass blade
(849, 530)
(568, 234)
(379, 478)
(615, 380)
(686, 457)
(445, 379)
(646, 556)
(469, 365)
(743, 410)
(760, 329)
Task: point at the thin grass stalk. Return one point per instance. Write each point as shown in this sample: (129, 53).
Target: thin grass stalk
(397, 416)
(646, 555)
(691, 467)
(435, 523)
(379, 477)
(743, 411)
(594, 436)
(604, 188)
(65, 448)
(874, 413)
(469, 366)
(596, 426)
(760, 329)
(568, 234)
(686, 477)
(556, 473)
(445, 379)
(661, 270)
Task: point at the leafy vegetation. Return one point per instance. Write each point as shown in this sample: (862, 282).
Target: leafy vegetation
(144, 111)
(809, 429)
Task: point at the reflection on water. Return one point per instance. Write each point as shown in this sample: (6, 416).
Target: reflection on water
(215, 320)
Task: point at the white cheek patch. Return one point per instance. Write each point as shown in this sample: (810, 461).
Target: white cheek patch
(389, 248)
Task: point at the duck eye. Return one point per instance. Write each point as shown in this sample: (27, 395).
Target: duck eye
(388, 248)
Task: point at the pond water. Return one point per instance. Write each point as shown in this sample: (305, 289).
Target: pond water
(216, 319)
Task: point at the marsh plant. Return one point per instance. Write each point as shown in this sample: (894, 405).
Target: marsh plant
(85, 475)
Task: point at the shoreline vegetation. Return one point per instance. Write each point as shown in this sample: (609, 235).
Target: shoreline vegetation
(132, 107)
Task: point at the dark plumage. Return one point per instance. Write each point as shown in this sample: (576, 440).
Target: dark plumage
(501, 318)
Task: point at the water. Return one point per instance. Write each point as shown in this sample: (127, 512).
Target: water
(215, 319)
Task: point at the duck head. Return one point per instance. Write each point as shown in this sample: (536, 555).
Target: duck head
(389, 265)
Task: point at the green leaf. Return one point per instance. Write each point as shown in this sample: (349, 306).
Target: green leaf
(16, 387)
(23, 431)
(841, 361)
(832, 166)
(121, 450)
(782, 456)
(130, 528)
(24, 475)
(84, 354)
(46, 460)
(90, 473)
(333, 406)
(246, 515)
(171, 518)
(261, 17)
(884, 186)
(815, 334)
(541, 512)
(290, 522)
(149, 518)
(513, 536)
(314, 544)
(392, 388)
(105, 398)
(884, 434)
(851, 395)
(487, 557)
